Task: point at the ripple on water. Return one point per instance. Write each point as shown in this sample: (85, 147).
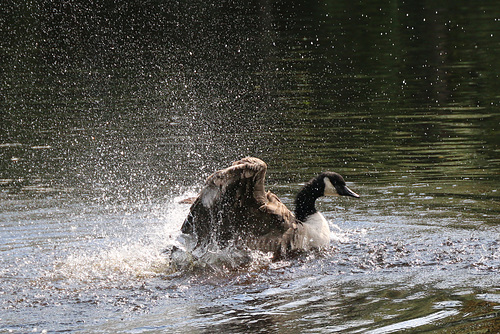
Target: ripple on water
(379, 273)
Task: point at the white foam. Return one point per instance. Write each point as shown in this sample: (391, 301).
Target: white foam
(138, 252)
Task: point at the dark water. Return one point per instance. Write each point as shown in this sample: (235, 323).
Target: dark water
(110, 114)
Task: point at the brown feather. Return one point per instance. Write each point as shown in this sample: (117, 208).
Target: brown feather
(235, 206)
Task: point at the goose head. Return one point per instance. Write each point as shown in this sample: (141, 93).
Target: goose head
(333, 184)
(325, 184)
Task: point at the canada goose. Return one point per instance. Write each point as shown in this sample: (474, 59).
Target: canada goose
(234, 208)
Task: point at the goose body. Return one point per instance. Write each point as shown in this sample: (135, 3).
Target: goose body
(316, 233)
(234, 208)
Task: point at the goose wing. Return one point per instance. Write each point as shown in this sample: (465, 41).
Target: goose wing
(234, 205)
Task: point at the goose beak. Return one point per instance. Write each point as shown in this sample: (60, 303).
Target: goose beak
(344, 191)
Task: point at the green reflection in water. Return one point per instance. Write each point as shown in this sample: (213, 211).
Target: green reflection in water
(131, 102)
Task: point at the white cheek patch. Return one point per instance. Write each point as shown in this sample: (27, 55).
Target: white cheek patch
(329, 188)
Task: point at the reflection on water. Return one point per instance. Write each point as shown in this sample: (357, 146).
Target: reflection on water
(111, 114)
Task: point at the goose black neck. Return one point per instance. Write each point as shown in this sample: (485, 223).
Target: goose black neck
(306, 199)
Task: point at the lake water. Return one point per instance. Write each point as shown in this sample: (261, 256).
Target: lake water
(111, 114)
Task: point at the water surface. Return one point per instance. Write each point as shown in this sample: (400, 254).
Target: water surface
(112, 114)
